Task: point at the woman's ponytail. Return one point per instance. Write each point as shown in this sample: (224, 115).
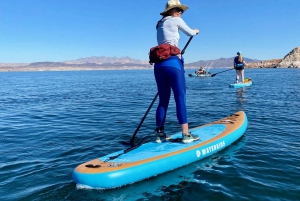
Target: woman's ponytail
(240, 58)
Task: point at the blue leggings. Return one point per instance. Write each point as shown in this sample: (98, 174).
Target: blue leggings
(169, 75)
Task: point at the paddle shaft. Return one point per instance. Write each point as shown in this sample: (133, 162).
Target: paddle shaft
(149, 108)
(183, 50)
(221, 72)
(144, 117)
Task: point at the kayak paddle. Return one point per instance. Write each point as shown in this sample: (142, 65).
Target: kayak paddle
(221, 72)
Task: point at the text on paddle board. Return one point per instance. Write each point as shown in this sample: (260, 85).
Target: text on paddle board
(212, 148)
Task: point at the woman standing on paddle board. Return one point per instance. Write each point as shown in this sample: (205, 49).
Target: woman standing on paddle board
(239, 64)
(169, 74)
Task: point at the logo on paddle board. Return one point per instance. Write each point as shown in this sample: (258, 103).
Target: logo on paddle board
(212, 148)
(198, 153)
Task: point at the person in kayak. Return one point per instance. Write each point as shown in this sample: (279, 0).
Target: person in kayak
(239, 64)
(169, 74)
(201, 70)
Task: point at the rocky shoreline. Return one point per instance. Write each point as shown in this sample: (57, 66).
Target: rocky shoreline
(291, 60)
(264, 64)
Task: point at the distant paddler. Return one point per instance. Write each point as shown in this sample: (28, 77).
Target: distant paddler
(239, 64)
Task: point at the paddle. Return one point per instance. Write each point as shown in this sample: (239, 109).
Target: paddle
(131, 142)
(183, 51)
(221, 72)
(144, 117)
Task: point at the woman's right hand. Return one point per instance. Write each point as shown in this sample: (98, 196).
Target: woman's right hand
(197, 31)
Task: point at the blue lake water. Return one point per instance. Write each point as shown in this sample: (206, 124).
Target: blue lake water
(50, 122)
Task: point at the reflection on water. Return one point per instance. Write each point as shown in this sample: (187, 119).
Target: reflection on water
(240, 98)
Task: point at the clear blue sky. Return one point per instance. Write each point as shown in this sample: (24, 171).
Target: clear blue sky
(60, 30)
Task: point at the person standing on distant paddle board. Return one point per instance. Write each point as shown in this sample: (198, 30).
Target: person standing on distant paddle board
(169, 74)
(239, 64)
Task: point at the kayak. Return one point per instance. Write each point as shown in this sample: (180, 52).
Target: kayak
(151, 158)
(240, 85)
(199, 75)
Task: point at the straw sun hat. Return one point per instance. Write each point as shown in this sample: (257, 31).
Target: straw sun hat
(174, 4)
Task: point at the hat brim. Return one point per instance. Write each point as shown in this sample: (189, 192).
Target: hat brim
(183, 7)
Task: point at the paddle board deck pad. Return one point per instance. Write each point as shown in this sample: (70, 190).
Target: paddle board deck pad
(240, 85)
(151, 158)
(200, 75)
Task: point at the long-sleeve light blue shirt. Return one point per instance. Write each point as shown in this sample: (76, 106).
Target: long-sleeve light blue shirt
(168, 30)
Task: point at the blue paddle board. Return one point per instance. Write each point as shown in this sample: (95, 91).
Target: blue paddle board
(240, 85)
(151, 158)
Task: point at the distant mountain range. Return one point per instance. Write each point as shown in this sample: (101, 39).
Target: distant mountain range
(103, 61)
(291, 60)
(222, 62)
(106, 60)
